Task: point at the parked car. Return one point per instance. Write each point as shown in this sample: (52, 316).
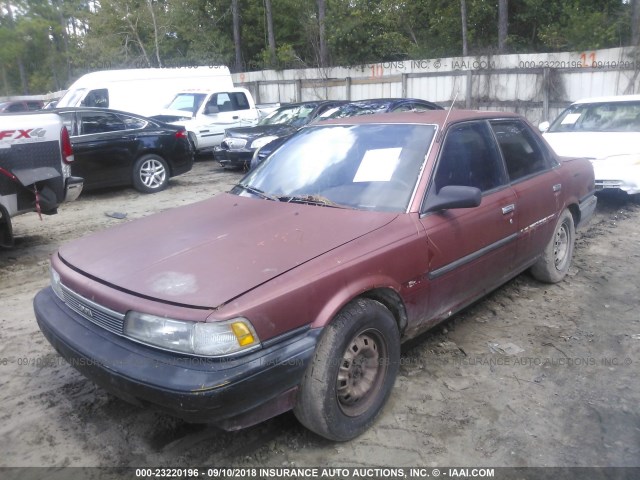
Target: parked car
(239, 144)
(295, 289)
(14, 106)
(349, 109)
(606, 130)
(115, 148)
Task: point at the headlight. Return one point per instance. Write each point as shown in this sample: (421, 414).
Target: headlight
(233, 143)
(55, 282)
(196, 338)
(262, 141)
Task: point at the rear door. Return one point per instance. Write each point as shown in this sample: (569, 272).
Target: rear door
(536, 183)
(470, 250)
(103, 149)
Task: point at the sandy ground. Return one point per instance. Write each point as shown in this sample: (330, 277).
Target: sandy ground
(533, 375)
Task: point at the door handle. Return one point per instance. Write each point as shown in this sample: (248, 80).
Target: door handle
(557, 187)
(236, 117)
(508, 209)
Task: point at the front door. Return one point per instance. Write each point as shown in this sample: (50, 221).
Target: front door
(470, 250)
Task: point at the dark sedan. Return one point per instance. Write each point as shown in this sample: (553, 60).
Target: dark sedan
(239, 144)
(295, 289)
(351, 109)
(114, 148)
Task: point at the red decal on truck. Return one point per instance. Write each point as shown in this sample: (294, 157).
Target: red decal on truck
(6, 133)
(24, 133)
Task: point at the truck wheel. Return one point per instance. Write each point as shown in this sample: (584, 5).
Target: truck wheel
(352, 372)
(6, 231)
(150, 174)
(556, 259)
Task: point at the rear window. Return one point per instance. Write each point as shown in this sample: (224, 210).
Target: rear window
(599, 117)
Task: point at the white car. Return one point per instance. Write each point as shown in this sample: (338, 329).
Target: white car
(606, 130)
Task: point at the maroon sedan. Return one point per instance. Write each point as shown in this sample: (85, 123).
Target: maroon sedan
(295, 289)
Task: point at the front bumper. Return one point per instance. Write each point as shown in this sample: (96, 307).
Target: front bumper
(628, 187)
(234, 158)
(232, 393)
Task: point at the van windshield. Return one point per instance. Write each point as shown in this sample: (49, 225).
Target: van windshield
(72, 98)
(187, 102)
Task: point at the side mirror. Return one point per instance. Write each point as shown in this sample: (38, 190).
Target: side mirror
(544, 126)
(454, 196)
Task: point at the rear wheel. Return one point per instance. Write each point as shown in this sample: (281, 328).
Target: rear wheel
(352, 372)
(556, 260)
(150, 174)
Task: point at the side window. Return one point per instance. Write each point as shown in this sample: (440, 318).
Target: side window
(16, 107)
(522, 153)
(97, 98)
(239, 101)
(98, 122)
(133, 123)
(223, 102)
(469, 158)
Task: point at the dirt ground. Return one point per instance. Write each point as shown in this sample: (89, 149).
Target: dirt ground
(533, 375)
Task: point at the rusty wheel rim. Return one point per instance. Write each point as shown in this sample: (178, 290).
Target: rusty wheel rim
(561, 246)
(362, 371)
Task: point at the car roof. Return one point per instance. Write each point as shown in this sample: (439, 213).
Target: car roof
(612, 98)
(97, 109)
(431, 117)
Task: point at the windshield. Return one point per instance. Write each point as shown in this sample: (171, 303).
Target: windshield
(188, 102)
(368, 166)
(296, 115)
(72, 98)
(599, 117)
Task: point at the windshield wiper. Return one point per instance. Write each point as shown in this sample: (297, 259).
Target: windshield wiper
(310, 200)
(258, 192)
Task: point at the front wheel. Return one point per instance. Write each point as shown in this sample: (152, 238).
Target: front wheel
(352, 372)
(150, 174)
(556, 259)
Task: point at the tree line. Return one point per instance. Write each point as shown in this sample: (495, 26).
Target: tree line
(46, 44)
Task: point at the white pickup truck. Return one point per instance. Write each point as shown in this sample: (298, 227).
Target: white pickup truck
(207, 113)
(35, 173)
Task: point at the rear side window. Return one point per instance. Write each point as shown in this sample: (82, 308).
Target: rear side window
(521, 152)
(133, 123)
(470, 158)
(99, 122)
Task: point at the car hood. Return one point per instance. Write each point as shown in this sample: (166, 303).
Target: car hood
(593, 144)
(206, 254)
(260, 131)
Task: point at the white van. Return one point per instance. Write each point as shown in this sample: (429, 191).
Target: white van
(145, 91)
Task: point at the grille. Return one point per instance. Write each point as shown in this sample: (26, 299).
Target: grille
(97, 314)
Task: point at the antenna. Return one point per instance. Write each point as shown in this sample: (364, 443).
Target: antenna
(451, 108)
(446, 119)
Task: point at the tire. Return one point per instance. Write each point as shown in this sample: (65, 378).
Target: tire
(556, 259)
(150, 174)
(193, 140)
(352, 372)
